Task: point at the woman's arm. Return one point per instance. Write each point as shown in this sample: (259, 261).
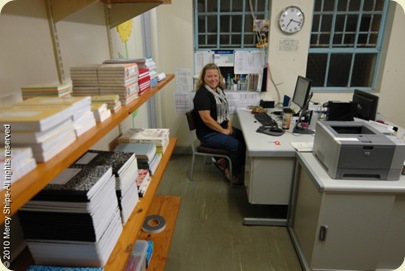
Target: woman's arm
(211, 123)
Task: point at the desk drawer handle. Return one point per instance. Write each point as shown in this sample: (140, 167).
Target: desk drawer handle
(323, 232)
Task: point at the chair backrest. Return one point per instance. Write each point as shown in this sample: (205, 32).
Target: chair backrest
(190, 120)
(191, 128)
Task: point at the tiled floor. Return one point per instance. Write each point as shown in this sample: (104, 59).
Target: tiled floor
(209, 233)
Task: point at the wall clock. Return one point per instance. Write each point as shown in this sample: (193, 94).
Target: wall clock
(291, 20)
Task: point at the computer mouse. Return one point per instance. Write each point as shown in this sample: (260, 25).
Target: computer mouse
(270, 130)
(275, 131)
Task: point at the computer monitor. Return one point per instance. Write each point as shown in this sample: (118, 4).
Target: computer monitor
(301, 92)
(302, 96)
(364, 105)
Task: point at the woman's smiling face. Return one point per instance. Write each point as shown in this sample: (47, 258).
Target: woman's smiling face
(211, 78)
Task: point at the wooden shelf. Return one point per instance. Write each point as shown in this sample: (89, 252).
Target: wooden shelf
(119, 11)
(168, 207)
(29, 185)
(132, 228)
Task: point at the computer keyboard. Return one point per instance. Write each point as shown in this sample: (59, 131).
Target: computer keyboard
(265, 119)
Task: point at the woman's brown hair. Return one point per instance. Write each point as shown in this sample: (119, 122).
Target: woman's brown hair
(210, 66)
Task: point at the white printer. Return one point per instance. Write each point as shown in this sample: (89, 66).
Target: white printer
(356, 150)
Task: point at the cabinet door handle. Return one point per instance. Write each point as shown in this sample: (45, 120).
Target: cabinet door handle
(323, 232)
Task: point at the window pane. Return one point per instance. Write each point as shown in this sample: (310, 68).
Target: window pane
(314, 41)
(212, 6)
(211, 22)
(315, 23)
(328, 5)
(316, 67)
(354, 5)
(337, 40)
(343, 5)
(376, 23)
(363, 69)
(375, 5)
(225, 5)
(225, 22)
(237, 6)
(237, 40)
(324, 40)
(212, 40)
(237, 23)
(351, 24)
(201, 6)
(261, 5)
(340, 23)
(201, 24)
(250, 40)
(339, 68)
(326, 23)
(317, 5)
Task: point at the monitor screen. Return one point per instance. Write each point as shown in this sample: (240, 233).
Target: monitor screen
(364, 105)
(301, 92)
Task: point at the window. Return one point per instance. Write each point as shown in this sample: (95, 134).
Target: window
(227, 24)
(345, 43)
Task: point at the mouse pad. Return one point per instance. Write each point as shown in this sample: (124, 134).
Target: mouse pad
(273, 131)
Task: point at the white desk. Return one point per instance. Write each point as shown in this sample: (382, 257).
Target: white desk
(269, 167)
(346, 224)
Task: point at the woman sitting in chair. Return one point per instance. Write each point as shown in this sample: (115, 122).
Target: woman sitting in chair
(213, 125)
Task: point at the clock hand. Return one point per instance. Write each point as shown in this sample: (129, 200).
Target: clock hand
(298, 22)
(289, 22)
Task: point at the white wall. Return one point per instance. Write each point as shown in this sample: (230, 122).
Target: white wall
(175, 46)
(174, 36)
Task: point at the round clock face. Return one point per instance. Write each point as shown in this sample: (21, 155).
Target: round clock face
(291, 20)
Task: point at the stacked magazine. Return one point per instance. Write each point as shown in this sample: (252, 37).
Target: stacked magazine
(83, 117)
(54, 89)
(159, 137)
(74, 220)
(106, 79)
(46, 130)
(125, 170)
(16, 162)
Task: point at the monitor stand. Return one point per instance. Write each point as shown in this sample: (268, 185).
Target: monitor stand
(301, 130)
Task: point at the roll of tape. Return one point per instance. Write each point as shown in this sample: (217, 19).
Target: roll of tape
(154, 224)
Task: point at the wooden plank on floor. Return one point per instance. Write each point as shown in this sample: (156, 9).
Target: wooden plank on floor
(168, 207)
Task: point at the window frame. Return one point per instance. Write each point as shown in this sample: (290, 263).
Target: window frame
(243, 13)
(331, 50)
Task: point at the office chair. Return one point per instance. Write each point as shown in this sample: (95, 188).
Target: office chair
(199, 149)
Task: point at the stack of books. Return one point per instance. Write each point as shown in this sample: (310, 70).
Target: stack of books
(142, 181)
(125, 170)
(16, 163)
(100, 111)
(144, 80)
(46, 130)
(46, 89)
(83, 117)
(120, 79)
(85, 80)
(112, 101)
(106, 79)
(74, 220)
(159, 137)
(146, 155)
(148, 63)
